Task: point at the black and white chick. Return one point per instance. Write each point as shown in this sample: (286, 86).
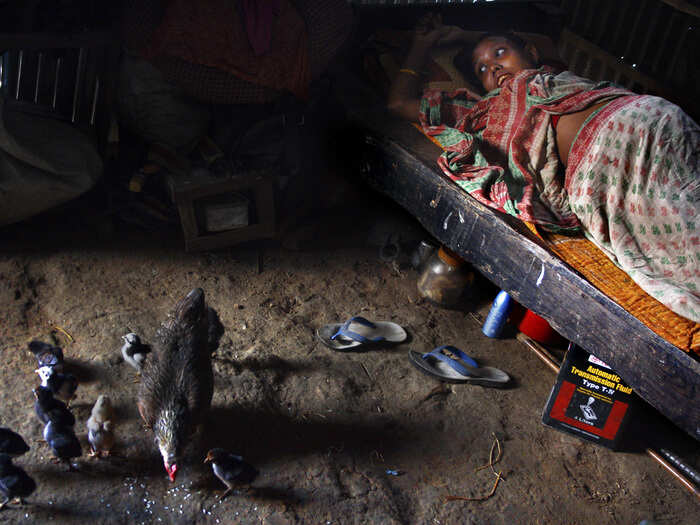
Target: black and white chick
(48, 408)
(101, 427)
(134, 351)
(11, 443)
(47, 355)
(63, 442)
(15, 484)
(230, 469)
(62, 386)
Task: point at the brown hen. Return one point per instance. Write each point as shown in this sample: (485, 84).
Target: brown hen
(177, 381)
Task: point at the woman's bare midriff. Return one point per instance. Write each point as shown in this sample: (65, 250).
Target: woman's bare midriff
(568, 127)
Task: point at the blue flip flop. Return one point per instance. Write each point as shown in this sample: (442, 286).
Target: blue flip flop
(457, 369)
(358, 331)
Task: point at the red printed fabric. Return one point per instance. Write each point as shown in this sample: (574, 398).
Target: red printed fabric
(633, 181)
(501, 149)
(268, 46)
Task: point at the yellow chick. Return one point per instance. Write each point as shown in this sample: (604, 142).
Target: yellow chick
(101, 427)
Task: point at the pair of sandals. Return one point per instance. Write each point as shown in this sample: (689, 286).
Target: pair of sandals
(446, 363)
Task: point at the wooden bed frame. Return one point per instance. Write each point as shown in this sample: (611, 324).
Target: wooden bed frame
(400, 162)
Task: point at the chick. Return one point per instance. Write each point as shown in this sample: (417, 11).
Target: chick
(11, 443)
(177, 381)
(15, 484)
(101, 428)
(49, 408)
(230, 469)
(62, 386)
(63, 442)
(47, 355)
(134, 351)
(59, 422)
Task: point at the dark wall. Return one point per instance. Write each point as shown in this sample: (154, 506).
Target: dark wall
(57, 16)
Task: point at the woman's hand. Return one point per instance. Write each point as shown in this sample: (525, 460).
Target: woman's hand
(430, 32)
(404, 96)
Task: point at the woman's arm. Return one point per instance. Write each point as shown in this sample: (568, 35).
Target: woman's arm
(404, 94)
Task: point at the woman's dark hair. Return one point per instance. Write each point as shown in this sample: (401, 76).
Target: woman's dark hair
(463, 59)
(509, 36)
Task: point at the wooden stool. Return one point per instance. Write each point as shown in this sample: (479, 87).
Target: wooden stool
(193, 193)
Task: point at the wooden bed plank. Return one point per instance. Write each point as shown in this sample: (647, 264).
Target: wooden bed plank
(400, 162)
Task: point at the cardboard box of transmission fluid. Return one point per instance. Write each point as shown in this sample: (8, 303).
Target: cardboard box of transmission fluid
(589, 400)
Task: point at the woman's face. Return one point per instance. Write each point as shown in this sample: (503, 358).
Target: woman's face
(497, 60)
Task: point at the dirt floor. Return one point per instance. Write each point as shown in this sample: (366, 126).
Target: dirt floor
(323, 428)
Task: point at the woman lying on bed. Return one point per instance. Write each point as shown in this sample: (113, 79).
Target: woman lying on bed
(565, 152)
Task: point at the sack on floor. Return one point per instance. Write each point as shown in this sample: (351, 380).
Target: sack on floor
(43, 163)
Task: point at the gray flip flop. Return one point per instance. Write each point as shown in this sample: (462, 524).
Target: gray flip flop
(358, 331)
(460, 369)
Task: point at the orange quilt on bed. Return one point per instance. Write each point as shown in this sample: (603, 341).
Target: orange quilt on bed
(587, 259)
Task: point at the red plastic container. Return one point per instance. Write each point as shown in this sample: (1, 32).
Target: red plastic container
(537, 328)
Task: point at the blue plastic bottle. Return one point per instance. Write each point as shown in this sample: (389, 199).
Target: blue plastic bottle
(496, 320)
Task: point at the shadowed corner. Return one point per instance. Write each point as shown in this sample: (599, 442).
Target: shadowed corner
(512, 384)
(42, 511)
(83, 372)
(138, 459)
(270, 495)
(264, 437)
(254, 491)
(272, 362)
(649, 428)
(260, 436)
